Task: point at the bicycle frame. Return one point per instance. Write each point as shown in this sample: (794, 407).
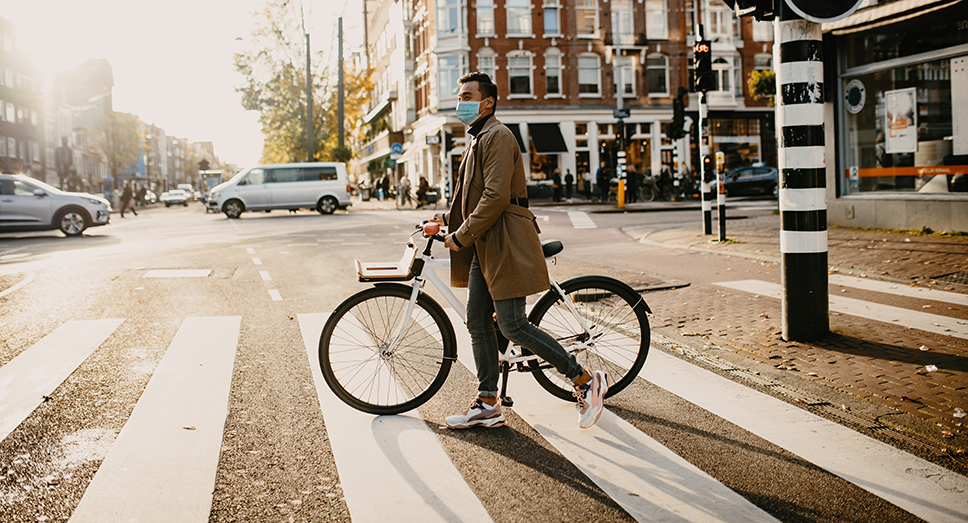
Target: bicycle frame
(511, 357)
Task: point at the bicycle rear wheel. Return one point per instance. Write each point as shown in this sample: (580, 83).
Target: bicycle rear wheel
(361, 368)
(620, 336)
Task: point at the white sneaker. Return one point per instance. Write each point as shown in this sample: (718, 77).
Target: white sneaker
(477, 415)
(590, 398)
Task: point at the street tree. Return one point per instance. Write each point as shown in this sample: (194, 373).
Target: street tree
(275, 86)
(118, 137)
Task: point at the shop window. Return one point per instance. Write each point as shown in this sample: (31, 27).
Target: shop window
(485, 17)
(519, 17)
(586, 14)
(902, 139)
(589, 76)
(658, 72)
(552, 20)
(656, 26)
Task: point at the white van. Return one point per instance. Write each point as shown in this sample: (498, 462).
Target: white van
(322, 186)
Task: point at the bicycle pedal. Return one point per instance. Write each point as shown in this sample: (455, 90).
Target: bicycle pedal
(506, 401)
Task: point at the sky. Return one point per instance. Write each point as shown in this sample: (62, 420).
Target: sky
(172, 59)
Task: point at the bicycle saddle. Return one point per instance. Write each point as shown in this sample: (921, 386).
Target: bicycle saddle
(551, 248)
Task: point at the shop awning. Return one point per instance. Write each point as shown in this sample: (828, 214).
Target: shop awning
(516, 130)
(547, 138)
(885, 14)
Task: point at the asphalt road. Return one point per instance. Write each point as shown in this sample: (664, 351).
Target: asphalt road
(197, 396)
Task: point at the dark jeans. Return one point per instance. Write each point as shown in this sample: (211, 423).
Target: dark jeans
(515, 327)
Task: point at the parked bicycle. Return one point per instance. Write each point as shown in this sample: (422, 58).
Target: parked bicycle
(388, 349)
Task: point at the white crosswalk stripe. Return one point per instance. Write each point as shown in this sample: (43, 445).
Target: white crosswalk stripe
(581, 220)
(944, 325)
(36, 372)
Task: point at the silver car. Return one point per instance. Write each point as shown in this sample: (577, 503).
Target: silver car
(27, 204)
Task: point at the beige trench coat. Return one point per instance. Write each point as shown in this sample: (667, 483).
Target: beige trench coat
(504, 235)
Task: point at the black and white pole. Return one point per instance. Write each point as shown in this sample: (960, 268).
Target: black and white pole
(803, 207)
(705, 191)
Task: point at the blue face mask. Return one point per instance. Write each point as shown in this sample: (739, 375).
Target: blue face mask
(467, 111)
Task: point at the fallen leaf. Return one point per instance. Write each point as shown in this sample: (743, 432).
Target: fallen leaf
(925, 306)
(189, 428)
(947, 434)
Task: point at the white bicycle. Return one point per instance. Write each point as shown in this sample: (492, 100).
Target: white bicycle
(388, 349)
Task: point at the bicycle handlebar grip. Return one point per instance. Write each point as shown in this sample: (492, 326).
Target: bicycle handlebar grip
(431, 228)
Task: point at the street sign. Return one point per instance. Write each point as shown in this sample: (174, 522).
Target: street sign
(396, 148)
(621, 113)
(824, 11)
(433, 139)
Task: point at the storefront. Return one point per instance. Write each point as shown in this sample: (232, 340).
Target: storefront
(901, 117)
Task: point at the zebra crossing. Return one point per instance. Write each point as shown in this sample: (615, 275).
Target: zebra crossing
(162, 465)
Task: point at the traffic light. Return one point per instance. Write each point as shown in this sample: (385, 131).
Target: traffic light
(678, 116)
(703, 66)
(448, 142)
(620, 135)
(762, 10)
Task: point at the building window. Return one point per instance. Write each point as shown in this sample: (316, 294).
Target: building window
(589, 76)
(628, 74)
(35, 152)
(719, 20)
(486, 62)
(449, 19)
(762, 31)
(3, 112)
(519, 75)
(622, 26)
(552, 72)
(690, 17)
(552, 22)
(762, 62)
(3, 146)
(485, 17)
(519, 17)
(738, 76)
(656, 27)
(723, 75)
(586, 14)
(449, 70)
(658, 73)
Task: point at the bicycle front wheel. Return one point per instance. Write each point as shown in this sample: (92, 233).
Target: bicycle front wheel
(618, 335)
(365, 371)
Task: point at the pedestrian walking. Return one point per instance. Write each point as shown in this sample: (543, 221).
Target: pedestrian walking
(422, 190)
(142, 191)
(405, 191)
(496, 254)
(126, 196)
(569, 182)
(556, 186)
(604, 181)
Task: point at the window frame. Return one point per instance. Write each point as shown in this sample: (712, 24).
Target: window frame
(721, 71)
(445, 6)
(554, 53)
(491, 5)
(665, 73)
(663, 16)
(555, 6)
(628, 78)
(460, 70)
(764, 33)
(598, 75)
(623, 17)
(526, 7)
(521, 55)
(489, 54)
(579, 8)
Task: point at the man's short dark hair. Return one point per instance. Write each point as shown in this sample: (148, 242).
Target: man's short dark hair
(484, 84)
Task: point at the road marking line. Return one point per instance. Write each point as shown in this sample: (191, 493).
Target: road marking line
(622, 460)
(898, 288)
(389, 466)
(581, 220)
(37, 371)
(256, 261)
(265, 276)
(915, 485)
(27, 279)
(302, 245)
(250, 250)
(357, 243)
(946, 325)
(162, 466)
(275, 295)
(178, 273)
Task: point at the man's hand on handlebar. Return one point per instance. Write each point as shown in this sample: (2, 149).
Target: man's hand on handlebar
(439, 218)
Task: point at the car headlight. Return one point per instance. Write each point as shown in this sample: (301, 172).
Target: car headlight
(96, 201)
(214, 195)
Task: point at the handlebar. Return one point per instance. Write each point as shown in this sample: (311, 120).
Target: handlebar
(431, 230)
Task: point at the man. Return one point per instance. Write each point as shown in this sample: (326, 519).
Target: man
(604, 182)
(496, 254)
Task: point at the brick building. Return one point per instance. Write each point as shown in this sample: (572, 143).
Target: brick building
(556, 67)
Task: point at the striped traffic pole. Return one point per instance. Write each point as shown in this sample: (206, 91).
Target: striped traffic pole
(803, 206)
(705, 190)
